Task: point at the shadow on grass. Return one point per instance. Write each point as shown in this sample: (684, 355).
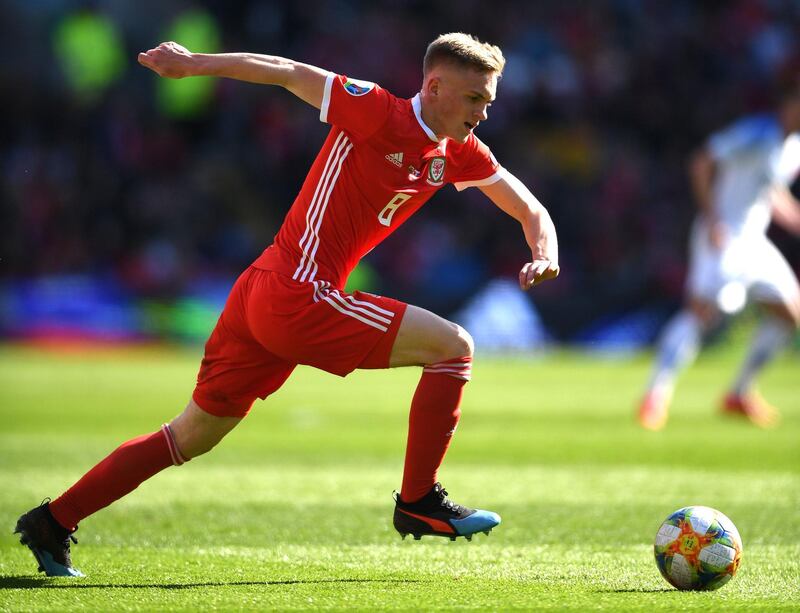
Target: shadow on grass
(635, 590)
(25, 583)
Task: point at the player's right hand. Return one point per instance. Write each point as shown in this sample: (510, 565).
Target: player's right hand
(537, 271)
(169, 60)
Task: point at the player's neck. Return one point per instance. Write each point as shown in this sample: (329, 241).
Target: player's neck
(429, 117)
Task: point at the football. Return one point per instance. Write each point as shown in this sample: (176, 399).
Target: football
(698, 548)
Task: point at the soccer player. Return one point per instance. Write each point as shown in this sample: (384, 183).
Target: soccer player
(384, 157)
(740, 179)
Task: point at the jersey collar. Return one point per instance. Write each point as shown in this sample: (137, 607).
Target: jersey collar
(416, 104)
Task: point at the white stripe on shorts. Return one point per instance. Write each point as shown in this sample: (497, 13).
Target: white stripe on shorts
(369, 313)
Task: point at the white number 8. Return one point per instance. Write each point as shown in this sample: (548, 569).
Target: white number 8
(385, 216)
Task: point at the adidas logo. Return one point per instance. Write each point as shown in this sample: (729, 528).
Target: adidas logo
(395, 158)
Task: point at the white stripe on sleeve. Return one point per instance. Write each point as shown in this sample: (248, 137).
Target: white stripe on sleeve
(500, 174)
(326, 98)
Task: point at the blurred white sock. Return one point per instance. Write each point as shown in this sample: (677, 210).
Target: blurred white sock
(771, 336)
(678, 346)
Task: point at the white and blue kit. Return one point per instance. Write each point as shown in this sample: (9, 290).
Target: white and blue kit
(752, 157)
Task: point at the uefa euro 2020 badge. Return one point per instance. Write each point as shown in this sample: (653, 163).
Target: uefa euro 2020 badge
(436, 172)
(355, 87)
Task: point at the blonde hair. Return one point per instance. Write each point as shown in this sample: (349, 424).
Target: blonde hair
(464, 50)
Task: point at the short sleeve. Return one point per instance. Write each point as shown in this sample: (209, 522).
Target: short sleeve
(480, 168)
(740, 137)
(787, 169)
(360, 107)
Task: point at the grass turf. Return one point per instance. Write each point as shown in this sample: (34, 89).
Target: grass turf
(293, 509)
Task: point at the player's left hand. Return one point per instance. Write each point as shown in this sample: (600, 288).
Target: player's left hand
(537, 271)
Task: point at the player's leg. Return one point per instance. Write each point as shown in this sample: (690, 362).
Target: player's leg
(234, 372)
(444, 350)
(190, 434)
(677, 347)
(682, 337)
(335, 331)
(778, 294)
(47, 529)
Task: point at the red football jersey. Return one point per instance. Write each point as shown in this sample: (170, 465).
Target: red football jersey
(379, 164)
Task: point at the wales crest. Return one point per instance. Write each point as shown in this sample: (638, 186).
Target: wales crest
(436, 171)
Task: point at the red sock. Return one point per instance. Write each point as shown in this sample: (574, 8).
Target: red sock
(434, 415)
(118, 474)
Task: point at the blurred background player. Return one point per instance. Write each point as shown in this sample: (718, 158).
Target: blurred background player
(383, 159)
(740, 180)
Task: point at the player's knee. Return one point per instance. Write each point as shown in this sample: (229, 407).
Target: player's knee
(197, 432)
(787, 312)
(706, 313)
(196, 441)
(459, 344)
(791, 315)
(191, 447)
(794, 312)
(466, 342)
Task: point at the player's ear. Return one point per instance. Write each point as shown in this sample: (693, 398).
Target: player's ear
(432, 86)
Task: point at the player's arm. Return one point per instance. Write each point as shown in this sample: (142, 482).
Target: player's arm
(785, 209)
(512, 197)
(702, 170)
(176, 62)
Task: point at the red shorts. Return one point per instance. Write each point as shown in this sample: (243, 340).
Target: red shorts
(272, 323)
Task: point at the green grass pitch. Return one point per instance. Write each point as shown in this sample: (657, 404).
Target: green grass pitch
(293, 510)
